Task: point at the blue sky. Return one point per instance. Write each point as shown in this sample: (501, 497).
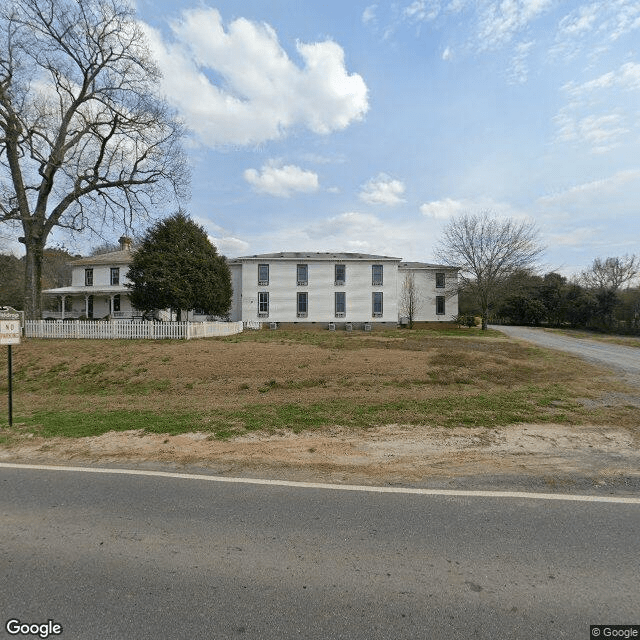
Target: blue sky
(360, 126)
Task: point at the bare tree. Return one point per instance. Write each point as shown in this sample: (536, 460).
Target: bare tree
(410, 301)
(488, 250)
(84, 140)
(611, 273)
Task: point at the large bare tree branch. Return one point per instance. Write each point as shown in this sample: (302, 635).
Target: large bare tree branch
(85, 141)
(488, 250)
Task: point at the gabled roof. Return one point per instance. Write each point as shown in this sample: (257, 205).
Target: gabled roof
(316, 255)
(113, 257)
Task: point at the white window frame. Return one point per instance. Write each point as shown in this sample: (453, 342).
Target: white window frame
(377, 295)
(343, 295)
(440, 300)
(88, 277)
(440, 279)
(339, 282)
(302, 269)
(377, 281)
(263, 304)
(300, 297)
(114, 271)
(262, 282)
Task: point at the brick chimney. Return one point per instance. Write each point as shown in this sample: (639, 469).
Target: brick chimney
(125, 243)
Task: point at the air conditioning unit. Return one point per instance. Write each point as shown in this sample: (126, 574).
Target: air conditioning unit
(332, 326)
(273, 325)
(348, 327)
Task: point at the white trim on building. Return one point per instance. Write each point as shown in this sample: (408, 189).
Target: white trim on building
(288, 287)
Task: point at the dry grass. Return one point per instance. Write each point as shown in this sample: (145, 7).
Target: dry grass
(302, 379)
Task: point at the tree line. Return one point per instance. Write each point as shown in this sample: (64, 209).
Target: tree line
(586, 301)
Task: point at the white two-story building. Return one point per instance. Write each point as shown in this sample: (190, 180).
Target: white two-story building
(97, 287)
(292, 287)
(339, 288)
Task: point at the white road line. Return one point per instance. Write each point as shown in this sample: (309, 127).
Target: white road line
(338, 487)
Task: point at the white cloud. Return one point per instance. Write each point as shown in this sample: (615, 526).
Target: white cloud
(447, 54)
(601, 133)
(626, 78)
(422, 10)
(501, 20)
(382, 190)
(449, 207)
(588, 117)
(229, 246)
(596, 26)
(236, 85)
(282, 181)
(369, 14)
(605, 189)
(442, 209)
(519, 65)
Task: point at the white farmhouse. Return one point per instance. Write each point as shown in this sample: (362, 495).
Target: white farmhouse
(97, 287)
(339, 288)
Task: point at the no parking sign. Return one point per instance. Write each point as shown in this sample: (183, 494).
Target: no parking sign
(9, 326)
(9, 334)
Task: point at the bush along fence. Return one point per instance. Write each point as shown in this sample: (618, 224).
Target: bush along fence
(117, 330)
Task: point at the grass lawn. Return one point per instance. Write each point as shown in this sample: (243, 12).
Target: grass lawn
(300, 379)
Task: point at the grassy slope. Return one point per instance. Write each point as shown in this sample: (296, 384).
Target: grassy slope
(273, 380)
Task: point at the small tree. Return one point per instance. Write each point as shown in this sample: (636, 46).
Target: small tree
(410, 301)
(610, 274)
(176, 267)
(488, 251)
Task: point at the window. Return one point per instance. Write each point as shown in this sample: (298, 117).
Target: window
(440, 305)
(302, 275)
(341, 274)
(263, 304)
(115, 275)
(376, 275)
(88, 277)
(341, 304)
(116, 302)
(303, 304)
(377, 304)
(439, 280)
(263, 275)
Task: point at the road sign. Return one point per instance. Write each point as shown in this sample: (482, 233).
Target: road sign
(9, 326)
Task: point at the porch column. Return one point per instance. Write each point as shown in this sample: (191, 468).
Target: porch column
(62, 297)
(111, 305)
(86, 306)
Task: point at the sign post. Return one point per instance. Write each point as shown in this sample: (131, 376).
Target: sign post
(9, 335)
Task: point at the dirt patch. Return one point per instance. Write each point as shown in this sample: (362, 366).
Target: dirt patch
(423, 386)
(385, 454)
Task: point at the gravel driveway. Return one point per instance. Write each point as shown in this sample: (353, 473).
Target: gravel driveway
(623, 359)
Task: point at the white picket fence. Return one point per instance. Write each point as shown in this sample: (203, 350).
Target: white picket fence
(124, 329)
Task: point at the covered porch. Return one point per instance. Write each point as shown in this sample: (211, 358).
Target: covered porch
(88, 303)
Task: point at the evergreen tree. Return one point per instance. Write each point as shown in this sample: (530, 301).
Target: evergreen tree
(176, 267)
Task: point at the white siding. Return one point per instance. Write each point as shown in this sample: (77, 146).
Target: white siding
(101, 275)
(425, 280)
(235, 312)
(321, 287)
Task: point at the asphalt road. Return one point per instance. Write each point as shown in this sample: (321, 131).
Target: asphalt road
(117, 557)
(621, 358)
